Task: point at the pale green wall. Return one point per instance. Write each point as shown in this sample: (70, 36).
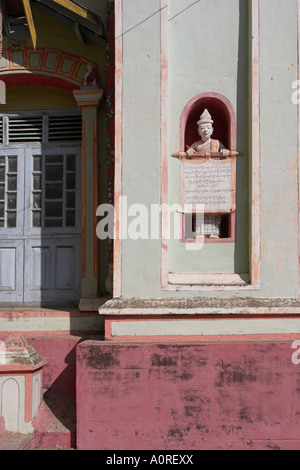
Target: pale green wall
(209, 52)
(141, 138)
(279, 148)
(207, 45)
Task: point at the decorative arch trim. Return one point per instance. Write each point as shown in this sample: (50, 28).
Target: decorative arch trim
(28, 79)
(56, 66)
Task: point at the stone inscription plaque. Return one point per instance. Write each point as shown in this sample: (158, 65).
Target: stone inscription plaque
(210, 183)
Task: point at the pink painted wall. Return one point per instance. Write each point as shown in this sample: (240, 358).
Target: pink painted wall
(59, 373)
(187, 396)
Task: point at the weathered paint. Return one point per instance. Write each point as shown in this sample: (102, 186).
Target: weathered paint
(207, 306)
(187, 396)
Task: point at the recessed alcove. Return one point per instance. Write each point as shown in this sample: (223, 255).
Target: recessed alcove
(227, 232)
(224, 127)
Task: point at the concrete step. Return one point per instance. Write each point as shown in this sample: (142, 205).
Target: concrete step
(55, 422)
(11, 441)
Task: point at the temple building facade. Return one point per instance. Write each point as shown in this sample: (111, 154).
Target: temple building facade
(149, 224)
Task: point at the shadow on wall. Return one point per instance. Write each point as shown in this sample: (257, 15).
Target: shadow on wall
(57, 413)
(243, 167)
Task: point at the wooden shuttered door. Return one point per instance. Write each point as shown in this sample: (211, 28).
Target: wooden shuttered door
(40, 209)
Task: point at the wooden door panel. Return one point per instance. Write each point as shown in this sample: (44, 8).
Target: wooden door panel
(52, 235)
(11, 271)
(51, 270)
(40, 266)
(40, 224)
(67, 266)
(65, 260)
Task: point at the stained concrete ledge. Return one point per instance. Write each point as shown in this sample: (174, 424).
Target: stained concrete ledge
(200, 306)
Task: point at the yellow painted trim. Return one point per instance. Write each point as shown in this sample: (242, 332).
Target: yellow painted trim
(30, 21)
(72, 6)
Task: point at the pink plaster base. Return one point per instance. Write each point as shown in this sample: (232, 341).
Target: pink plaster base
(60, 370)
(55, 422)
(2, 426)
(187, 396)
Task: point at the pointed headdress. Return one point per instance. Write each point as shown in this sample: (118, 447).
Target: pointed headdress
(205, 118)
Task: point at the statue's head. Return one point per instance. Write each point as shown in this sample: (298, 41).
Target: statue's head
(205, 126)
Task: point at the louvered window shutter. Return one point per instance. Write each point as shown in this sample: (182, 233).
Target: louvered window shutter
(64, 128)
(52, 128)
(25, 129)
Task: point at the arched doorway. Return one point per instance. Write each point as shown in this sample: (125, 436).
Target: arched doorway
(40, 207)
(60, 78)
(40, 185)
